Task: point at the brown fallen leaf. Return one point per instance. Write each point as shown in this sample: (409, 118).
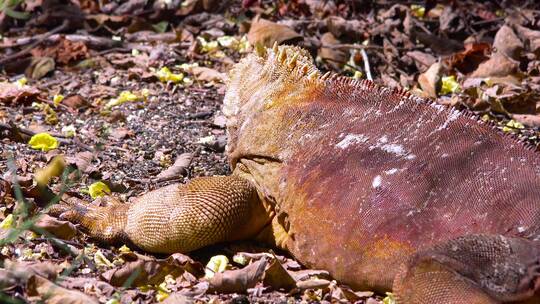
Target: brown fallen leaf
(430, 80)
(82, 161)
(497, 65)
(61, 229)
(39, 67)
(98, 287)
(527, 119)
(530, 37)
(335, 57)
(179, 168)
(468, 60)
(422, 60)
(264, 32)
(41, 289)
(121, 133)
(145, 270)
(17, 273)
(75, 102)
(313, 284)
(239, 280)
(305, 274)
(341, 293)
(351, 29)
(12, 93)
(277, 277)
(506, 42)
(64, 51)
(208, 74)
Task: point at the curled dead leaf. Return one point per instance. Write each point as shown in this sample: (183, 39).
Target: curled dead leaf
(527, 119)
(61, 229)
(468, 60)
(497, 65)
(208, 74)
(351, 29)
(179, 168)
(422, 60)
(277, 277)
(506, 42)
(144, 270)
(12, 93)
(313, 284)
(42, 289)
(335, 57)
(75, 102)
(266, 32)
(530, 37)
(82, 161)
(39, 67)
(430, 80)
(239, 280)
(17, 273)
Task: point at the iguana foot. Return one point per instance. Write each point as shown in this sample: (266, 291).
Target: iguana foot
(105, 224)
(472, 269)
(176, 218)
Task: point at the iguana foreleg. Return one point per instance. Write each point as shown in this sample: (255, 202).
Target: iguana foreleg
(177, 218)
(480, 269)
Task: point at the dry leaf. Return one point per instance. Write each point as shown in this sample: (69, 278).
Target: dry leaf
(17, 273)
(468, 60)
(75, 102)
(339, 27)
(239, 280)
(149, 270)
(266, 32)
(506, 42)
(335, 57)
(313, 284)
(40, 67)
(82, 161)
(527, 119)
(208, 74)
(43, 289)
(61, 229)
(13, 93)
(277, 277)
(179, 168)
(430, 80)
(497, 65)
(530, 37)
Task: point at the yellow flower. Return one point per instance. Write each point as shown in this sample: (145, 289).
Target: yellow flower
(217, 263)
(57, 99)
(43, 142)
(165, 75)
(98, 189)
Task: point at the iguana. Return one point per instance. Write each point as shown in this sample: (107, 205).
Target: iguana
(383, 189)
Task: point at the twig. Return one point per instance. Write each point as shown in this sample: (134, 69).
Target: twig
(366, 64)
(93, 42)
(10, 126)
(27, 49)
(352, 46)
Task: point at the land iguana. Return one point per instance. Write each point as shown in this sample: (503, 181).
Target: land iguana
(383, 189)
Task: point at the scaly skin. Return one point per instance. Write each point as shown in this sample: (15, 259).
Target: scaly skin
(379, 187)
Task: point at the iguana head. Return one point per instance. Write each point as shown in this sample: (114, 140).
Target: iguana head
(260, 79)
